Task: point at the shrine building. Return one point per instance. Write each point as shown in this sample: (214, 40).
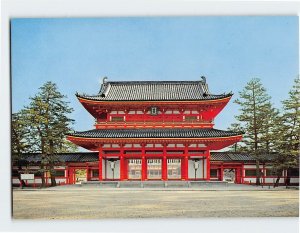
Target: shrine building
(154, 130)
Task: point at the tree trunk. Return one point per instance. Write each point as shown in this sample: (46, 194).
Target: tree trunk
(53, 181)
(22, 182)
(52, 175)
(279, 174)
(43, 176)
(288, 178)
(255, 138)
(43, 158)
(257, 172)
(277, 181)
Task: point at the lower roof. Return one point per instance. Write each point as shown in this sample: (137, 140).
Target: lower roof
(93, 157)
(155, 133)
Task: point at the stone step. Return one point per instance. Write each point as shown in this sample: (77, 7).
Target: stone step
(154, 184)
(108, 184)
(129, 184)
(208, 183)
(177, 184)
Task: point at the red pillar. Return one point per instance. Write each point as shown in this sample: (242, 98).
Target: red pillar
(71, 176)
(164, 168)
(144, 168)
(100, 164)
(87, 172)
(184, 168)
(264, 174)
(185, 165)
(222, 172)
(164, 164)
(208, 165)
(123, 164)
(122, 167)
(67, 175)
(144, 161)
(242, 173)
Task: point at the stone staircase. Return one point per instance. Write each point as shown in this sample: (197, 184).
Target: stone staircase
(154, 184)
(207, 184)
(102, 184)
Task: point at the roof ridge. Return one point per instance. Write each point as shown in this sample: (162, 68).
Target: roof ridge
(157, 81)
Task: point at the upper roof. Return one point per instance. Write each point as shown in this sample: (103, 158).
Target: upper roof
(154, 91)
(155, 133)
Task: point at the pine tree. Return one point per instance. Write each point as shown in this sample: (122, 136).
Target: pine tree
(48, 122)
(288, 132)
(238, 146)
(269, 136)
(256, 119)
(19, 143)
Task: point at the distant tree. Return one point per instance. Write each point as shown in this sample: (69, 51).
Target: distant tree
(48, 122)
(256, 120)
(269, 132)
(19, 143)
(288, 133)
(238, 146)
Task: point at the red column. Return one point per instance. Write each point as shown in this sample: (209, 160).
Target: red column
(185, 165)
(264, 174)
(242, 173)
(222, 172)
(67, 174)
(70, 175)
(184, 168)
(122, 167)
(87, 172)
(208, 165)
(45, 178)
(144, 162)
(100, 163)
(144, 168)
(164, 168)
(123, 164)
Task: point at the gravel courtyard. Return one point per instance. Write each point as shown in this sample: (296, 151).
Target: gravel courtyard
(93, 203)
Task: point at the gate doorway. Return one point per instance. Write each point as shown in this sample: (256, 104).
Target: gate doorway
(80, 175)
(229, 175)
(232, 175)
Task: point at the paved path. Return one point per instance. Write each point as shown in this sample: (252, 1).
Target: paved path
(73, 202)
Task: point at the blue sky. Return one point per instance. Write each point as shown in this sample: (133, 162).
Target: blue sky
(77, 53)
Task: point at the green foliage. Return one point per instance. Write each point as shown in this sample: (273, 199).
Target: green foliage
(41, 127)
(19, 133)
(257, 118)
(236, 127)
(266, 129)
(288, 130)
(47, 115)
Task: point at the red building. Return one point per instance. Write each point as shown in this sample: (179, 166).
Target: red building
(155, 130)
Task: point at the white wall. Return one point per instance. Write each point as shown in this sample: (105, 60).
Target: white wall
(109, 172)
(200, 170)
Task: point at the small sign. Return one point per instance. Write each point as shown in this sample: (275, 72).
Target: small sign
(27, 176)
(153, 111)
